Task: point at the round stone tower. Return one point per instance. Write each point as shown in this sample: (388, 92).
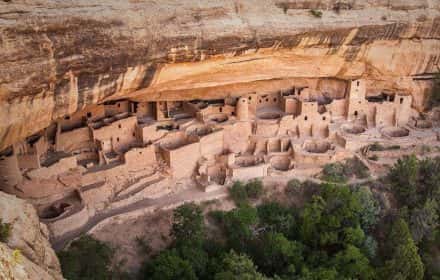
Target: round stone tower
(242, 109)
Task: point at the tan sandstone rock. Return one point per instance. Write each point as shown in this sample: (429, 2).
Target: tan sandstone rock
(58, 56)
(30, 238)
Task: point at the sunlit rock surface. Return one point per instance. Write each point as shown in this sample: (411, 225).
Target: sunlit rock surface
(58, 56)
(27, 253)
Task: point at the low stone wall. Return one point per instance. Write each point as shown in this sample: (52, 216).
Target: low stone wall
(155, 190)
(62, 166)
(74, 140)
(97, 196)
(69, 223)
(250, 172)
(147, 210)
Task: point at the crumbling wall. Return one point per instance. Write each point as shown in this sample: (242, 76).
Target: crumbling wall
(182, 160)
(117, 107)
(212, 144)
(139, 158)
(236, 136)
(77, 139)
(62, 166)
(122, 133)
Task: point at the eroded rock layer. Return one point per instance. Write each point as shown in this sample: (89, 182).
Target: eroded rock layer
(57, 57)
(27, 253)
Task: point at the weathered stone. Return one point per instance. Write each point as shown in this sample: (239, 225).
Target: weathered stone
(28, 237)
(58, 57)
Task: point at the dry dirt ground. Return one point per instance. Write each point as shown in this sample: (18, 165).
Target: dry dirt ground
(154, 228)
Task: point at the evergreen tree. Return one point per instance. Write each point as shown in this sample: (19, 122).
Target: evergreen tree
(238, 267)
(405, 262)
(168, 266)
(403, 178)
(188, 225)
(87, 258)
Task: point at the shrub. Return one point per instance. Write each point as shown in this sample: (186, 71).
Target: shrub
(403, 178)
(238, 193)
(143, 245)
(334, 172)
(316, 13)
(5, 231)
(87, 258)
(369, 214)
(254, 189)
(241, 193)
(293, 186)
(340, 172)
(405, 262)
(355, 167)
(217, 215)
(167, 265)
(188, 227)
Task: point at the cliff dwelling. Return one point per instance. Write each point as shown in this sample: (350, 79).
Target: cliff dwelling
(117, 110)
(118, 152)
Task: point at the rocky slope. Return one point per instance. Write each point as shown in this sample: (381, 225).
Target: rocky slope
(27, 253)
(58, 56)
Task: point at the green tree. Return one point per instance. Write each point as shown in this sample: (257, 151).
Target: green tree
(188, 225)
(311, 219)
(276, 218)
(254, 188)
(238, 267)
(405, 262)
(424, 221)
(276, 255)
(196, 257)
(353, 235)
(86, 258)
(403, 178)
(325, 221)
(334, 172)
(239, 225)
(352, 264)
(370, 209)
(369, 248)
(319, 273)
(168, 266)
(429, 175)
(238, 193)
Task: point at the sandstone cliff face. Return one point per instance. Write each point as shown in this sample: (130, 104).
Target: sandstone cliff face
(36, 258)
(58, 56)
(14, 266)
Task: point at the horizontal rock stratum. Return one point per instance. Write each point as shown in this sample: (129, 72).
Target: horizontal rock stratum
(58, 56)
